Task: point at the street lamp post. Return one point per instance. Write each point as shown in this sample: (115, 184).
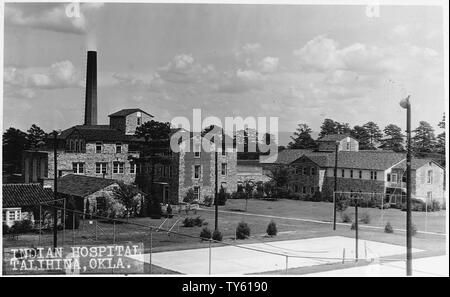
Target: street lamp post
(406, 105)
(335, 183)
(55, 189)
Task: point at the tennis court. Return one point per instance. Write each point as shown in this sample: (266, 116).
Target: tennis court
(271, 256)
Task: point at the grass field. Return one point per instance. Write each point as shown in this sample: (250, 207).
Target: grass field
(294, 219)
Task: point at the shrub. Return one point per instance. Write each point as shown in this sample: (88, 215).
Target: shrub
(222, 196)
(188, 222)
(346, 218)
(272, 229)
(341, 204)
(365, 218)
(217, 235)
(353, 227)
(317, 196)
(155, 209)
(190, 196)
(207, 201)
(205, 234)
(21, 227)
(169, 209)
(198, 221)
(388, 228)
(5, 229)
(242, 230)
(435, 205)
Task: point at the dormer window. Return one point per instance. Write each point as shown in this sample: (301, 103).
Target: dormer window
(118, 148)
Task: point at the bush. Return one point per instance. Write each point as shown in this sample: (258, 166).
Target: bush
(188, 222)
(435, 205)
(155, 209)
(207, 201)
(317, 196)
(198, 221)
(365, 218)
(238, 195)
(222, 196)
(205, 234)
(341, 204)
(346, 218)
(20, 227)
(5, 229)
(217, 235)
(353, 227)
(169, 209)
(388, 228)
(242, 230)
(272, 229)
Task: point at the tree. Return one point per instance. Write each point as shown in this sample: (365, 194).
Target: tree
(343, 128)
(14, 143)
(360, 134)
(440, 145)
(280, 176)
(126, 194)
(394, 138)
(302, 138)
(328, 127)
(157, 145)
(35, 135)
(373, 133)
(423, 140)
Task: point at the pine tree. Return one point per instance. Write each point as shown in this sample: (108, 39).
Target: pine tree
(328, 127)
(440, 145)
(394, 138)
(302, 138)
(424, 140)
(360, 134)
(373, 133)
(35, 136)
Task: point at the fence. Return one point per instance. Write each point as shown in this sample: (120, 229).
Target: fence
(164, 246)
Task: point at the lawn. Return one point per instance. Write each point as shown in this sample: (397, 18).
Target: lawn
(294, 219)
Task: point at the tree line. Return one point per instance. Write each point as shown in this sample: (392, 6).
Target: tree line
(423, 141)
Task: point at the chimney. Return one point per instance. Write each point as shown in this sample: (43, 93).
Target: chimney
(90, 109)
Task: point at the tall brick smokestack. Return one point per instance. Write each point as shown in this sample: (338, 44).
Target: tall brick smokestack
(90, 108)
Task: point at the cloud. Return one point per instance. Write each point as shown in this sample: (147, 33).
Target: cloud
(183, 69)
(24, 82)
(52, 17)
(269, 64)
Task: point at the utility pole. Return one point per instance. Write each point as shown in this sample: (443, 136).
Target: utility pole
(55, 190)
(335, 183)
(216, 196)
(406, 104)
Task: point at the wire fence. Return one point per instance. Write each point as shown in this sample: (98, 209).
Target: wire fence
(165, 249)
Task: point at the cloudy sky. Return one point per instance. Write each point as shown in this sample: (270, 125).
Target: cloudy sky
(299, 63)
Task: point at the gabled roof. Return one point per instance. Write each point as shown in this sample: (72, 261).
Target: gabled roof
(97, 133)
(21, 195)
(333, 137)
(416, 163)
(82, 185)
(371, 160)
(128, 111)
(287, 156)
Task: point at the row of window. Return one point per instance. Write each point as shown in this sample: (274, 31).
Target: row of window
(198, 170)
(358, 174)
(305, 190)
(99, 147)
(197, 151)
(119, 167)
(305, 170)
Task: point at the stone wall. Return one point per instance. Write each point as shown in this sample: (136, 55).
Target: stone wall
(90, 158)
(131, 122)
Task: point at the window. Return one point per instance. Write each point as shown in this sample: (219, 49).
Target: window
(78, 168)
(313, 171)
(298, 170)
(429, 196)
(394, 177)
(296, 188)
(197, 150)
(430, 176)
(118, 148)
(360, 174)
(100, 167)
(197, 192)
(348, 145)
(98, 147)
(311, 190)
(388, 177)
(139, 119)
(14, 215)
(304, 190)
(60, 173)
(197, 169)
(170, 171)
(342, 172)
(165, 171)
(373, 175)
(351, 173)
(118, 167)
(224, 168)
(133, 168)
(305, 170)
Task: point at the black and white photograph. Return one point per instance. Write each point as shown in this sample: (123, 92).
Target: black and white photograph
(220, 139)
